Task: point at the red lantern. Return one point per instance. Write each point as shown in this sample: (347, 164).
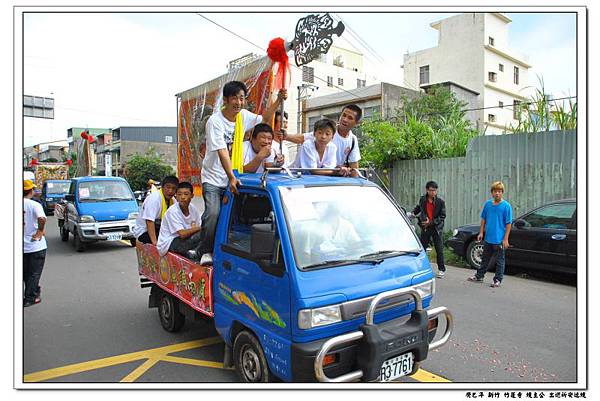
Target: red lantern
(84, 134)
(90, 138)
(34, 162)
(69, 162)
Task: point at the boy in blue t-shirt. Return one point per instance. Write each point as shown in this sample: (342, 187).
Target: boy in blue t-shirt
(496, 220)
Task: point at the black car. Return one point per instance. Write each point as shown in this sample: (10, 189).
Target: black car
(543, 238)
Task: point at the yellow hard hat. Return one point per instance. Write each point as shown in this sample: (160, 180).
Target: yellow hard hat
(28, 184)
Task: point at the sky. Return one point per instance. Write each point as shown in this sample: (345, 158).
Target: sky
(106, 70)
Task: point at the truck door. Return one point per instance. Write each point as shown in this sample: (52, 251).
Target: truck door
(252, 284)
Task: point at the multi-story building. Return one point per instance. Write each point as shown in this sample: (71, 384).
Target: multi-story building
(473, 52)
(117, 146)
(56, 150)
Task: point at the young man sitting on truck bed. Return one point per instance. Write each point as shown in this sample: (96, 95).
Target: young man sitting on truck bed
(258, 153)
(180, 229)
(147, 224)
(217, 172)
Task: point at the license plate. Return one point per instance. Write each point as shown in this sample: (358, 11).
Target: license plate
(396, 367)
(114, 236)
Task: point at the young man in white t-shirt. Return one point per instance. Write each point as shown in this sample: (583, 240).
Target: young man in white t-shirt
(258, 152)
(217, 171)
(319, 151)
(147, 224)
(348, 152)
(34, 245)
(180, 228)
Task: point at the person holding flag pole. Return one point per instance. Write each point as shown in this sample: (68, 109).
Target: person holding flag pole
(224, 133)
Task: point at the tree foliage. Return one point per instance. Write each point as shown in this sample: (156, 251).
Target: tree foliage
(140, 168)
(541, 114)
(429, 126)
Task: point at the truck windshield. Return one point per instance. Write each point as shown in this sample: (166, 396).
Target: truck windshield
(104, 191)
(344, 223)
(57, 187)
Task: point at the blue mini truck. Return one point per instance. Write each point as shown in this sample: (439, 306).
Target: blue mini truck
(313, 279)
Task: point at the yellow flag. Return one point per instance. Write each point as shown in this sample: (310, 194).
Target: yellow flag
(237, 158)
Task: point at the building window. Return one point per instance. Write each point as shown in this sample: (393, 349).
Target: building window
(516, 77)
(361, 83)
(341, 81)
(501, 104)
(308, 74)
(516, 109)
(491, 118)
(501, 67)
(491, 41)
(424, 75)
(168, 139)
(492, 76)
(338, 61)
(329, 81)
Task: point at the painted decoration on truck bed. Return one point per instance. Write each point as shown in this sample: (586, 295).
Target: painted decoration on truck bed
(261, 309)
(188, 281)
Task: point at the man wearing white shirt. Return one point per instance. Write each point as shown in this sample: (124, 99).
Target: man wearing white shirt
(147, 224)
(180, 229)
(217, 170)
(34, 245)
(319, 151)
(348, 152)
(258, 152)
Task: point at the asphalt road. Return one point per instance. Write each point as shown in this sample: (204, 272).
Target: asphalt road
(93, 325)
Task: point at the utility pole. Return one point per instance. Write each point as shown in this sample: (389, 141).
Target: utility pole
(303, 94)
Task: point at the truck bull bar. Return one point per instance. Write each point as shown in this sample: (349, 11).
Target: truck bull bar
(357, 335)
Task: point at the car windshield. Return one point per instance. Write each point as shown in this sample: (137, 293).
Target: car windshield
(104, 191)
(344, 224)
(57, 187)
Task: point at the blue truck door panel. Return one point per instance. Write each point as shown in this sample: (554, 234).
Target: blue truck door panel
(243, 290)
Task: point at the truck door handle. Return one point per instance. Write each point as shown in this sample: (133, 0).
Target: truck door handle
(227, 265)
(559, 237)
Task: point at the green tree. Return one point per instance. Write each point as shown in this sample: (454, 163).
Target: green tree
(140, 168)
(429, 126)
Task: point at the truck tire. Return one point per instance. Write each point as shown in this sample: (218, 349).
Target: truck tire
(249, 359)
(474, 253)
(79, 245)
(64, 233)
(168, 312)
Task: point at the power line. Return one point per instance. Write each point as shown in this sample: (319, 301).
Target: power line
(361, 40)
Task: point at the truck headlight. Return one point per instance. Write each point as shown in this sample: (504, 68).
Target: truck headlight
(455, 232)
(425, 289)
(86, 219)
(310, 318)
(132, 216)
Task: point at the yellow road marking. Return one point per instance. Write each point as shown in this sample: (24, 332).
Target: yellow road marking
(195, 362)
(140, 370)
(155, 355)
(116, 360)
(428, 377)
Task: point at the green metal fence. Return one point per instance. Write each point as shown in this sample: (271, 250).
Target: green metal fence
(535, 169)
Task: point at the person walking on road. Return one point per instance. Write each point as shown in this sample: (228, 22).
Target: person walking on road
(34, 245)
(431, 213)
(496, 220)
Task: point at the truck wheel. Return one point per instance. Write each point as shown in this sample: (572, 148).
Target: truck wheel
(132, 242)
(168, 311)
(79, 245)
(249, 359)
(64, 233)
(474, 253)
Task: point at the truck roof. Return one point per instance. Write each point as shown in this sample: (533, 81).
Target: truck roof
(275, 180)
(97, 178)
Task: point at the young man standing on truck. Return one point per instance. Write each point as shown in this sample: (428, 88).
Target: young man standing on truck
(348, 152)
(217, 171)
(431, 212)
(34, 245)
(496, 221)
(147, 224)
(180, 229)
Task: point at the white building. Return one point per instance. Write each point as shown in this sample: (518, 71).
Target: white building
(473, 52)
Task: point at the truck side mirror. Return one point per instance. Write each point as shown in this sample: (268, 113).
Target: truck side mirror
(70, 198)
